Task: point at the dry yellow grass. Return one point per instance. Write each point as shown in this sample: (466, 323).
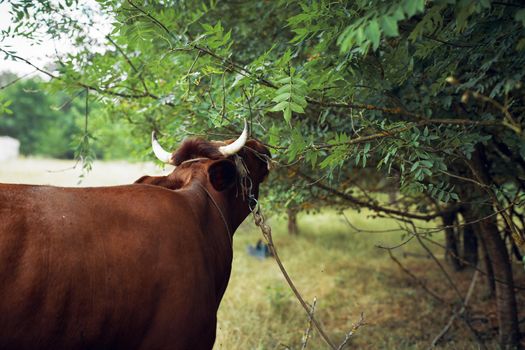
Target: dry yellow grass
(348, 275)
(328, 260)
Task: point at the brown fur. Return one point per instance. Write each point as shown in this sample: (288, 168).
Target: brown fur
(142, 266)
(196, 148)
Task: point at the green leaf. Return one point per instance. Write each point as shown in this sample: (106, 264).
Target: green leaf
(373, 33)
(282, 97)
(312, 158)
(299, 81)
(426, 171)
(296, 108)
(389, 26)
(283, 89)
(414, 166)
(287, 114)
(285, 80)
(411, 7)
(346, 39)
(520, 16)
(440, 195)
(426, 163)
(273, 134)
(520, 46)
(297, 144)
(279, 107)
(300, 100)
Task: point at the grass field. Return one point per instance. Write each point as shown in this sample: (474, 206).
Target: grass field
(348, 274)
(329, 260)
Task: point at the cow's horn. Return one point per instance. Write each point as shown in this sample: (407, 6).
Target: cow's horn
(235, 146)
(162, 155)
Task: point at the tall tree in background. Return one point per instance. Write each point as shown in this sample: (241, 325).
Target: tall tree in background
(44, 124)
(424, 96)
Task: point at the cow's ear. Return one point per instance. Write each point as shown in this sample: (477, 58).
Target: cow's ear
(222, 174)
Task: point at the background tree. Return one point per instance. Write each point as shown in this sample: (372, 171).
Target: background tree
(51, 124)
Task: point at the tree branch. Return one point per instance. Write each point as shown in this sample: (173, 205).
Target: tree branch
(458, 314)
(388, 133)
(372, 206)
(86, 86)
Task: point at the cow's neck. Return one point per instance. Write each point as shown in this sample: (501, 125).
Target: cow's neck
(229, 206)
(220, 210)
(216, 235)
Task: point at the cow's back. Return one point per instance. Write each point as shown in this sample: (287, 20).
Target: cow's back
(99, 268)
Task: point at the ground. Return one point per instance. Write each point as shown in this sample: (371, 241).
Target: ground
(328, 260)
(348, 275)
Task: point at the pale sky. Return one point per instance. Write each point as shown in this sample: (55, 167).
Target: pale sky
(44, 53)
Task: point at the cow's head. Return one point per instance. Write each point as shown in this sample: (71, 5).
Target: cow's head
(232, 168)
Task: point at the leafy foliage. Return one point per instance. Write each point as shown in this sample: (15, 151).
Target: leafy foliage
(410, 88)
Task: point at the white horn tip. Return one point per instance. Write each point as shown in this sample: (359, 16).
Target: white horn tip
(237, 145)
(160, 153)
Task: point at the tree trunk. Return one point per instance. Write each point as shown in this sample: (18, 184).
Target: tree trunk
(470, 243)
(487, 267)
(499, 257)
(505, 296)
(293, 229)
(452, 251)
(514, 248)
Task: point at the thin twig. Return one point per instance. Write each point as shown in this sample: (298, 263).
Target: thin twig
(267, 233)
(309, 328)
(86, 86)
(450, 281)
(367, 231)
(17, 79)
(374, 207)
(349, 335)
(429, 252)
(474, 266)
(458, 313)
(417, 280)
(130, 63)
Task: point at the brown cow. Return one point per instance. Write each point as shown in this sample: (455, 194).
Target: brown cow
(141, 266)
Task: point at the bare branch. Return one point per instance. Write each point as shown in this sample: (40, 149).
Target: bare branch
(139, 74)
(16, 80)
(355, 327)
(458, 313)
(309, 328)
(429, 252)
(373, 206)
(417, 280)
(267, 233)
